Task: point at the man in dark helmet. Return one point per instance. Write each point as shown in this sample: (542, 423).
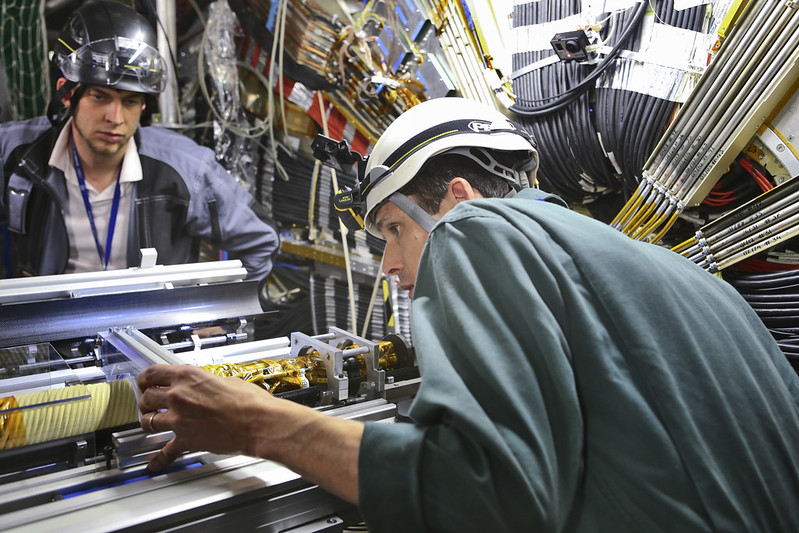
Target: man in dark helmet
(92, 189)
(573, 380)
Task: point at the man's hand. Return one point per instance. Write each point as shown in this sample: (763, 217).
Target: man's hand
(231, 416)
(203, 410)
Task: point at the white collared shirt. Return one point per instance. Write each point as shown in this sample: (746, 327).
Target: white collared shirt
(83, 256)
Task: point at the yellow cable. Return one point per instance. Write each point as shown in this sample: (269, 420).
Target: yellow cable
(683, 245)
(628, 209)
(653, 222)
(666, 228)
(637, 220)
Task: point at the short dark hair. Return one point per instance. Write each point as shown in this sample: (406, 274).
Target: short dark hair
(430, 184)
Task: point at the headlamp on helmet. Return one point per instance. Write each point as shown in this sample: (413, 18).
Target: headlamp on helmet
(348, 202)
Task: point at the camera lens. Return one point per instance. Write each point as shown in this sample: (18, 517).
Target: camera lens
(572, 47)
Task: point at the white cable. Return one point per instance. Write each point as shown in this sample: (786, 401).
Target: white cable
(281, 96)
(273, 65)
(378, 283)
(317, 167)
(342, 227)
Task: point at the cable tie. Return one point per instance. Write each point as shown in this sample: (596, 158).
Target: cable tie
(550, 60)
(650, 59)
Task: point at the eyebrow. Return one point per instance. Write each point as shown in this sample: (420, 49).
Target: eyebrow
(380, 223)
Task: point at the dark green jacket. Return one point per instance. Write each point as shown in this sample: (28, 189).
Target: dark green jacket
(576, 380)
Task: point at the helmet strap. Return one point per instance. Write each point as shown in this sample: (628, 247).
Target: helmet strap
(77, 94)
(419, 215)
(412, 209)
(64, 89)
(56, 111)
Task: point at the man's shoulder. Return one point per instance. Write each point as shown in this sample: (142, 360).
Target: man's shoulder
(538, 194)
(170, 147)
(19, 132)
(163, 153)
(36, 123)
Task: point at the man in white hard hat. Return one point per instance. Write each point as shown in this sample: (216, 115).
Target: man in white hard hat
(572, 379)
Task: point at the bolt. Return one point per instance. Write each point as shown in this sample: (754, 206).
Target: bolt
(780, 147)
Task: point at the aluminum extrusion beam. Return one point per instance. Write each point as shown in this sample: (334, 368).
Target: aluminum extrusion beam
(32, 322)
(40, 288)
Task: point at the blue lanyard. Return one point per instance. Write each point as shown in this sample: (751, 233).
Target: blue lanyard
(104, 258)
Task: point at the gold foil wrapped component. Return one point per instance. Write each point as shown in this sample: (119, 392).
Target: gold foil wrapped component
(277, 376)
(388, 359)
(300, 372)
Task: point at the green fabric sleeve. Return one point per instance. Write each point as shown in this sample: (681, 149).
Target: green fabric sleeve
(576, 380)
(499, 442)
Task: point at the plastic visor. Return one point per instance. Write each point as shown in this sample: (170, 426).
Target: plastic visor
(107, 61)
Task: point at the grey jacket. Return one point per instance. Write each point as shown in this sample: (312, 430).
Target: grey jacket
(185, 196)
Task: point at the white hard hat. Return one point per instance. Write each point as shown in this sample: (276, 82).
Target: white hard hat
(452, 125)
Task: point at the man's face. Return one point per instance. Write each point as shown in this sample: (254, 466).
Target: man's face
(105, 120)
(405, 240)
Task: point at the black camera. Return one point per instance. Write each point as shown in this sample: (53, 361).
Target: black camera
(573, 46)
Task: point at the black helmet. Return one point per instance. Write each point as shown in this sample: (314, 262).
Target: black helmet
(109, 44)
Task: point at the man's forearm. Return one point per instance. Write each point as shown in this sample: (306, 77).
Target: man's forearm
(321, 448)
(231, 416)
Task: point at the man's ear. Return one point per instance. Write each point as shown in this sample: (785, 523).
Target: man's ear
(66, 99)
(459, 190)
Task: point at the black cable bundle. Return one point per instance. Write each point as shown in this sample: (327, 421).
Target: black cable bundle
(593, 141)
(632, 123)
(774, 296)
(555, 103)
(290, 198)
(322, 301)
(262, 189)
(331, 307)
